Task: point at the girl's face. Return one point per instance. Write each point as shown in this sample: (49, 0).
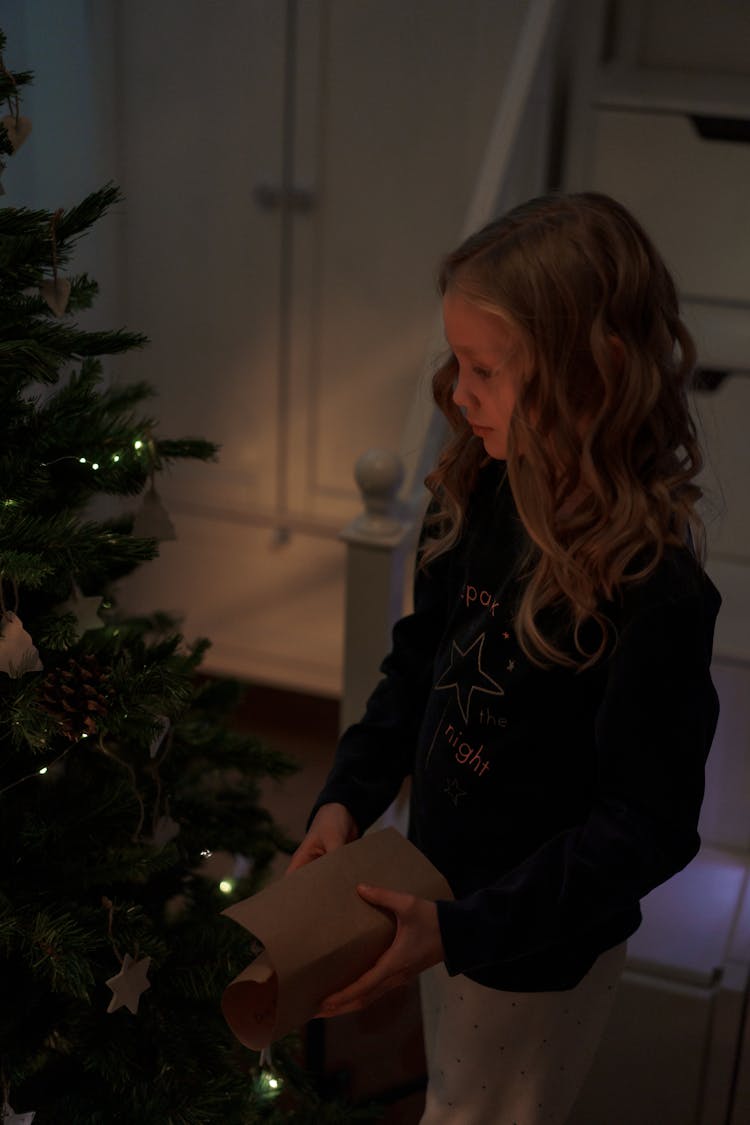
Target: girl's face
(491, 364)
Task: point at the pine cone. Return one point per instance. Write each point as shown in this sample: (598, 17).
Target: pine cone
(77, 696)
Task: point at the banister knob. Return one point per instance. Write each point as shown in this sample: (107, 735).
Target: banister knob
(379, 475)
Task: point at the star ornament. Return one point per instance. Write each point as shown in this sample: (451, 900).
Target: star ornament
(466, 675)
(85, 610)
(129, 984)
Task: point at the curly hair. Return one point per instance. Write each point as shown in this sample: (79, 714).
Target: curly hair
(602, 450)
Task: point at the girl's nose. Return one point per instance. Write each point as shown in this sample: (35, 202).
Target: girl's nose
(462, 395)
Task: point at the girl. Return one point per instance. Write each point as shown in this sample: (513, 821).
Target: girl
(550, 694)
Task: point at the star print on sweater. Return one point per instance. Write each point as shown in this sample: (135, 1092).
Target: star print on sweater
(459, 672)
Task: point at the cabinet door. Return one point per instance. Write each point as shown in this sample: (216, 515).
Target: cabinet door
(200, 98)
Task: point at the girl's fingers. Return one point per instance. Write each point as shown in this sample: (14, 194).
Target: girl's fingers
(369, 987)
(396, 901)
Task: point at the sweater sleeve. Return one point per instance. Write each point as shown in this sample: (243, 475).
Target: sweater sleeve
(653, 730)
(374, 755)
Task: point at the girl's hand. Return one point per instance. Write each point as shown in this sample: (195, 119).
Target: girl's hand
(416, 946)
(332, 826)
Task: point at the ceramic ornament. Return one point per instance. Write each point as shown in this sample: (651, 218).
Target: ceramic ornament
(56, 293)
(129, 984)
(17, 128)
(152, 519)
(8, 1117)
(85, 610)
(161, 732)
(165, 830)
(18, 654)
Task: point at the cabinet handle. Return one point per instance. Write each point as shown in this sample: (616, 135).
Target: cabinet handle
(709, 379)
(270, 198)
(721, 128)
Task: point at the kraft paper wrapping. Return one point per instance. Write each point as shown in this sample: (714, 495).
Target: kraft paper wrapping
(318, 934)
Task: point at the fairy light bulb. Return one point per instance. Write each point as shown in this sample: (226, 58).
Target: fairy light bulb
(43, 770)
(82, 460)
(95, 465)
(226, 886)
(137, 445)
(268, 1077)
(115, 457)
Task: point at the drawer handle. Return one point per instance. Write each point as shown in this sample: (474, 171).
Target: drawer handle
(735, 129)
(709, 378)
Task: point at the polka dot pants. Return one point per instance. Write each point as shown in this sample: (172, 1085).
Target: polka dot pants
(511, 1058)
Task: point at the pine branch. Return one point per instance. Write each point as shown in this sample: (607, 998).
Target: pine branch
(21, 305)
(26, 245)
(39, 352)
(57, 948)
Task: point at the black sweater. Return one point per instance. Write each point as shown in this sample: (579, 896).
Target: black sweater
(552, 800)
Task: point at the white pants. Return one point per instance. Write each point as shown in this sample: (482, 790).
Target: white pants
(511, 1058)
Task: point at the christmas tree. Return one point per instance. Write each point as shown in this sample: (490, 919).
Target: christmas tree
(119, 768)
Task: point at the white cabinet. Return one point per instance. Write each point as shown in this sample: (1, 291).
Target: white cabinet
(295, 339)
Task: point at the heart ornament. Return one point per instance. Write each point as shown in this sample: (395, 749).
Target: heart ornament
(17, 128)
(57, 294)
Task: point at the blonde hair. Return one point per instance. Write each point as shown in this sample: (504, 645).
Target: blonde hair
(602, 450)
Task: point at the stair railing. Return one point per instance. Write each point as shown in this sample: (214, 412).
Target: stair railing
(381, 541)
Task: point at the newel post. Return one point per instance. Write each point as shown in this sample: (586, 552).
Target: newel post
(376, 549)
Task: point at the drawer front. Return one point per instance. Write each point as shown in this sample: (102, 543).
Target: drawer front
(691, 194)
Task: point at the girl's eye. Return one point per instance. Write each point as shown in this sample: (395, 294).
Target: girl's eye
(482, 372)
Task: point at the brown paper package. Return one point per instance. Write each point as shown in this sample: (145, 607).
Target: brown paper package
(318, 934)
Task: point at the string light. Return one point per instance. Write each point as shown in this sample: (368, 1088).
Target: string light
(137, 445)
(268, 1078)
(82, 460)
(206, 852)
(115, 457)
(95, 465)
(43, 770)
(226, 886)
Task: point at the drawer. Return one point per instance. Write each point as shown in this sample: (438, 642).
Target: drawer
(691, 194)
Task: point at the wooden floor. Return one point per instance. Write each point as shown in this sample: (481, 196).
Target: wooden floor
(376, 1053)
